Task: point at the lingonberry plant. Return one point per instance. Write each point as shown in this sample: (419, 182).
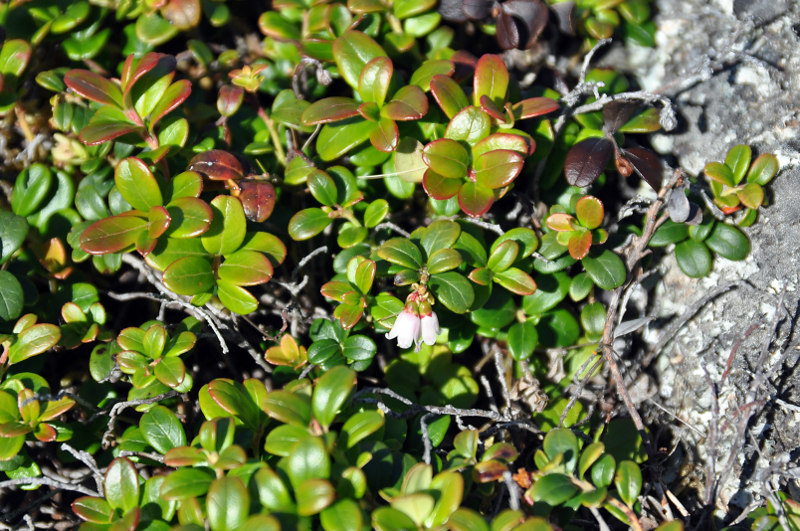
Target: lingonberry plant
(332, 265)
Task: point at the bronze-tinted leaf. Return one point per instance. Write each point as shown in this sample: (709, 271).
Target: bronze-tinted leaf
(477, 9)
(217, 164)
(507, 31)
(258, 199)
(647, 165)
(183, 14)
(229, 99)
(565, 15)
(93, 87)
(586, 160)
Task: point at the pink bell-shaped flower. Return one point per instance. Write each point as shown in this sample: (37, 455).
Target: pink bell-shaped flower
(406, 327)
(429, 325)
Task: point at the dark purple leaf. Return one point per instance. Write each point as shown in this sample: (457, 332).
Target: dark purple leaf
(586, 160)
(477, 9)
(565, 15)
(507, 31)
(452, 10)
(530, 18)
(217, 165)
(647, 165)
(617, 113)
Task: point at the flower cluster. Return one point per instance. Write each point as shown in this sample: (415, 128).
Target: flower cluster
(416, 324)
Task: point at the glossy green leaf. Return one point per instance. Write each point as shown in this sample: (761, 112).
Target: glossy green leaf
(272, 492)
(728, 241)
(719, 172)
(314, 495)
(170, 371)
(491, 79)
(189, 276)
(107, 124)
(738, 160)
(408, 103)
(446, 157)
(227, 503)
(469, 125)
(693, 258)
(33, 341)
(11, 296)
(628, 481)
(308, 460)
(553, 489)
(343, 515)
(443, 260)
(453, 290)
(186, 483)
(503, 256)
(605, 268)
(91, 509)
(288, 407)
(137, 184)
(308, 223)
(497, 168)
(589, 211)
(335, 140)
(448, 95)
(352, 51)
(245, 268)
(170, 99)
(423, 75)
(384, 135)
(189, 217)
(228, 226)
(329, 110)
(439, 187)
(236, 298)
(763, 169)
(121, 485)
(401, 251)
(373, 82)
(375, 213)
(669, 232)
(162, 429)
(32, 186)
(522, 340)
(361, 425)
(331, 392)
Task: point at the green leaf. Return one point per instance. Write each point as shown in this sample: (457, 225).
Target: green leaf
(360, 426)
(186, 483)
(335, 140)
(503, 256)
(227, 503)
(497, 168)
(408, 103)
(170, 371)
(33, 341)
(11, 296)
(553, 489)
(331, 392)
(469, 125)
(763, 169)
(562, 442)
(169, 100)
(693, 258)
(375, 213)
(603, 471)
(719, 172)
(373, 82)
(441, 234)
(401, 251)
(121, 485)
(288, 407)
(408, 160)
(329, 110)
(236, 298)
(589, 211)
(228, 227)
(162, 429)
(605, 268)
(190, 275)
(245, 268)
(423, 75)
(453, 290)
(591, 453)
(669, 232)
(516, 281)
(391, 519)
(491, 79)
(448, 95)
(447, 157)
(107, 124)
(751, 195)
(474, 199)
(314, 495)
(443, 260)
(522, 340)
(343, 515)
(308, 223)
(738, 160)
(728, 241)
(359, 348)
(628, 481)
(308, 460)
(272, 492)
(114, 234)
(352, 51)
(439, 187)
(593, 318)
(30, 189)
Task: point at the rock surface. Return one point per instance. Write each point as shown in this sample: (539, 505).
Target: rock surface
(733, 69)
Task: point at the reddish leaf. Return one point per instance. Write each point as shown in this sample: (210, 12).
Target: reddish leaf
(229, 99)
(448, 95)
(258, 199)
(579, 244)
(523, 145)
(385, 135)
(107, 124)
(475, 199)
(490, 108)
(133, 70)
(329, 110)
(370, 111)
(439, 187)
(159, 221)
(217, 165)
(490, 80)
(335, 289)
(561, 222)
(172, 97)
(498, 168)
(647, 166)
(93, 87)
(586, 160)
(533, 107)
(408, 103)
(114, 234)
